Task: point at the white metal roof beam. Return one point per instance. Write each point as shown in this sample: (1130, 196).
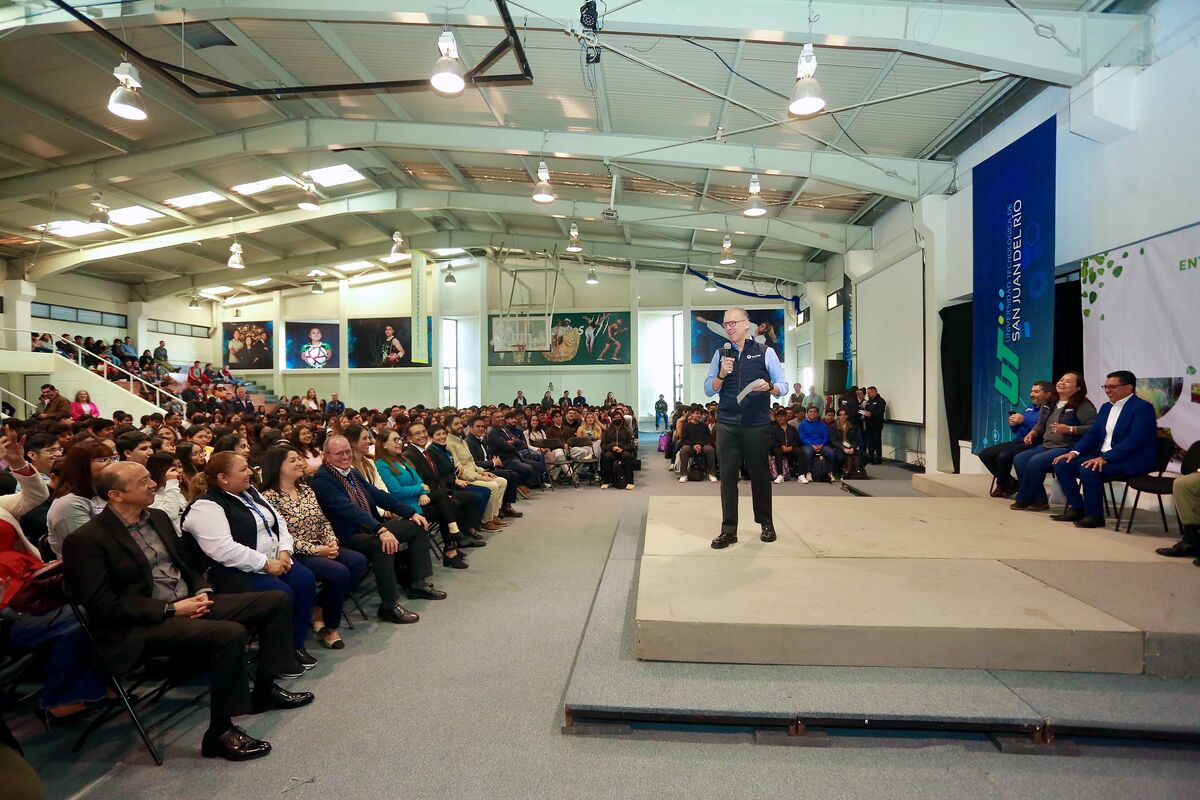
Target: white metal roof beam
(987, 37)
(823, 235)
(654, 250)
(903, 178)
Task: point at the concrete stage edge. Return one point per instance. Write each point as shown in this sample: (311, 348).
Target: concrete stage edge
(608, 683)
(948, 582)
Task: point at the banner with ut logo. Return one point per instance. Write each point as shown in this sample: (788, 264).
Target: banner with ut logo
(1013, 293)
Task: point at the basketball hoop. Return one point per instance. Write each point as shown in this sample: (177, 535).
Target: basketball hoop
(519, 353)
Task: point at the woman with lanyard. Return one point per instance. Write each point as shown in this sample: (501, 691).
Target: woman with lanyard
(246, 545)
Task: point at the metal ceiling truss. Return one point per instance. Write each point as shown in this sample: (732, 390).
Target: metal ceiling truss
(893, 176)
(984, 36)
(174, 73)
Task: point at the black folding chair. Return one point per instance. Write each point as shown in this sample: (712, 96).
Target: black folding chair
(158, 675)
(1160, 484)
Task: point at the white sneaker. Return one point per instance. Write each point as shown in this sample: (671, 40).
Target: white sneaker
(779, 479)
(683, 479)
(805, 479)
(712, 478)
(605, 485)
(629, 487)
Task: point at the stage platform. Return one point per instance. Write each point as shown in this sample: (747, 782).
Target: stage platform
(948, 582)
(940, 484)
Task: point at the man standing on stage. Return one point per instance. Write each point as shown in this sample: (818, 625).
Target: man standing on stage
(742, 428)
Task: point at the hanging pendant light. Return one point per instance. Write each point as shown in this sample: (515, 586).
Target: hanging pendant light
(311, 201)
(194, 303)
(543, 193)
(318, 287)
(727, 256)
(447, 78)
(754, 204)
(397, 245)
(710, 285)
(235, 257)
(807, 98)
(592, 280)
(99, 215)
(125, 101)
(450, 280)
(573, 243)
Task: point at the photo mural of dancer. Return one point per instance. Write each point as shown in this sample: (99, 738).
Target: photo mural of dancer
(384, 342)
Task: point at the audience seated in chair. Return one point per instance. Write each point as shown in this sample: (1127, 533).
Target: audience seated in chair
(245, 546)
(1121, 443)
(1070, 415)
(696, 440)
(143, 599)
(998, 458)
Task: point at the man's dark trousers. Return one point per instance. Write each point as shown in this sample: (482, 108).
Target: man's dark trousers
(739, 445)
(999, 460)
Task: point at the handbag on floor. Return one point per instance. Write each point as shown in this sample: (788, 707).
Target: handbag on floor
(820, 469)
(664, 442)
(697, 467)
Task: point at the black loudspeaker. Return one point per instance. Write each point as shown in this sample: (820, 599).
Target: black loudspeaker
(835, 376)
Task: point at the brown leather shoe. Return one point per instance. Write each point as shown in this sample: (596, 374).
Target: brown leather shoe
(509, 511)
(233, 745)
(491, 526)
(524, 490)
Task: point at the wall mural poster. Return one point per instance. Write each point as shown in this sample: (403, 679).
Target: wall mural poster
(708, 335)
(1136, 303)
(576, 338)
(248, 345)
(311, 345)
(384, 342)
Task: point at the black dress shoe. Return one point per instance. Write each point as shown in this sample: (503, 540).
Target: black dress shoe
(426, 592)
(455, 562)
(233, 745)
(724, 540)
(292, 672)
(398, 614)
(1179, 550)
(1090, 522)
(1017, 506)
(1071, 515)
(471, 540)
(305, 660)
(1038, 505)
(278, 698)
(768, 533)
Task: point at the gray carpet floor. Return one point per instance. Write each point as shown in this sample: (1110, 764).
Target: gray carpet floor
(468, 704)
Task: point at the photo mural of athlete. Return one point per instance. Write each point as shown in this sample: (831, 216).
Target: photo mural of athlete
(393, 351)
(745, 375)
(611, 332)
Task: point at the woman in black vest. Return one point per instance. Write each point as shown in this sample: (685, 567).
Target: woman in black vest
(245, 544)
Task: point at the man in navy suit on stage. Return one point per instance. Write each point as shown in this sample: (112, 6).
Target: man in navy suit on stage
(1120, 443)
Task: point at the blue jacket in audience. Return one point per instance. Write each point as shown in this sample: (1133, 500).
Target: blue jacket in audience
(402, 482)
(813, 432)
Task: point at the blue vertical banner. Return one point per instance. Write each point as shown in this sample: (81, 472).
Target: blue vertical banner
(848, 328)
(1014, 280)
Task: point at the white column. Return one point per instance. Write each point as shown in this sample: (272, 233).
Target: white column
(346, 393)
(276, 314)
(634, 383)
(929, 218)
(434, 288)
(137, 314)
(691, 394)
(485, 341)
(818, 319)
(18, 313)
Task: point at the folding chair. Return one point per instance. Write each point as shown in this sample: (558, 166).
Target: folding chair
(127, 699)
(1159, 484)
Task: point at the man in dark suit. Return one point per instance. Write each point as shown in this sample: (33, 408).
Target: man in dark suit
(143, 599)
(872, 412)
(1121, 442)
(351, 503)
(475, 436)
(502, 443)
